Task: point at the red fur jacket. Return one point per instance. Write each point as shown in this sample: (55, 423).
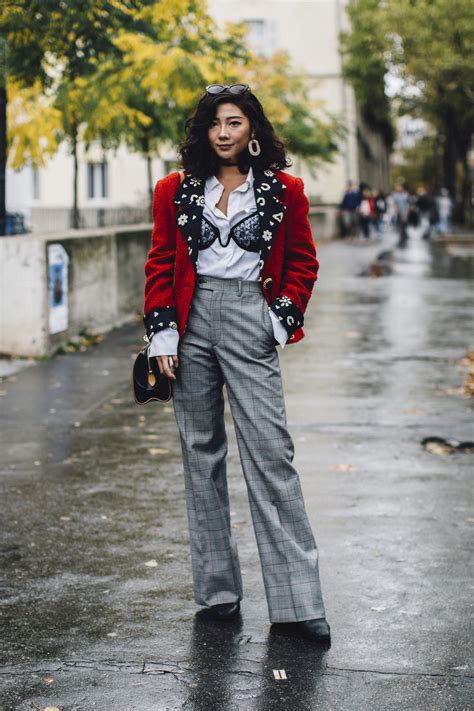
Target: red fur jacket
(288, 264)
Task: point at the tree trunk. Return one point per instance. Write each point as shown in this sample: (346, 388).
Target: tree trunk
(450, 156)
(149, 171)
(75, 206)
(150, 182)
(466, 181)
(3, 133)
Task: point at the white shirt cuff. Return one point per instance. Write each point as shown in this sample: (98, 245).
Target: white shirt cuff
(279, 331)
(165, 342)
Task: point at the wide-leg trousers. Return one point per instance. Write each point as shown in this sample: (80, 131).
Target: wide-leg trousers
(229, 341)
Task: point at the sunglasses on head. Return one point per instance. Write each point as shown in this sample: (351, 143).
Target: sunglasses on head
(230, 88)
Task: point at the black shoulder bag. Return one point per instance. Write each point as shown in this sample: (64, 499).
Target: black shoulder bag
(148, 383)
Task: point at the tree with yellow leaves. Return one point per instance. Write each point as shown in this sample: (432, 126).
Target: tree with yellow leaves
(60, 46)
(36, 126)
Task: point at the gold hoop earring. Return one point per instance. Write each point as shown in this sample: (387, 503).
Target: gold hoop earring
(254, 147)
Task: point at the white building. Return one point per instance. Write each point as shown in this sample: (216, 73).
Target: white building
(308, 30)
(112, 187)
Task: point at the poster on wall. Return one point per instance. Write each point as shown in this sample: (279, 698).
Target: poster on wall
(58, 262)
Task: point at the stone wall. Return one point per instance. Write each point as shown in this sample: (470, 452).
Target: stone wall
(105, 286)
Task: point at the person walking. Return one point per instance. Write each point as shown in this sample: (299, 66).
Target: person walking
(427, 208)
(401, 203)
(380, 207)
(445, 210)
(366, 212)
(228, 277)
(348, 209)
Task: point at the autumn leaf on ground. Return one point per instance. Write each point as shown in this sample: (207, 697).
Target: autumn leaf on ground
(413, 411)
(344, 467)
(352, 334)
(158, 450)
(439, 448)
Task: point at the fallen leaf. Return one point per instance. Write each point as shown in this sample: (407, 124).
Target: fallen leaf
(439, 448)
(413, 411)
(344, 468)
(158, 450)
(151, 563)
(453, 391)
(47, 679)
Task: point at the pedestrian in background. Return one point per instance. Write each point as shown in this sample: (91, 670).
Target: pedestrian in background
(228, 277)
(380, 206)
(426, 205)
(366, 212)
(401, 204)
(445, 210)
(348, 210)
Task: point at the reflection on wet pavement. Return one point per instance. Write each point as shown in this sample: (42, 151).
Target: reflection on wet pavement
(96, 597)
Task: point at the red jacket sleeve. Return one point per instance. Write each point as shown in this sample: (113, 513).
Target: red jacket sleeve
(160, 305)
(300, 267)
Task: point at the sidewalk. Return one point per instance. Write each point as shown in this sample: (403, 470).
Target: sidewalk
(96, 601)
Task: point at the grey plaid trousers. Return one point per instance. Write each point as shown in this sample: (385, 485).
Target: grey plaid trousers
(229, 340)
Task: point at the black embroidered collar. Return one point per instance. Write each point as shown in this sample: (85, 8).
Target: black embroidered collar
(189, 200)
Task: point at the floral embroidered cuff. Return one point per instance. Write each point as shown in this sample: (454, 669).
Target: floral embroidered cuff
(288, 313)
(157, 319)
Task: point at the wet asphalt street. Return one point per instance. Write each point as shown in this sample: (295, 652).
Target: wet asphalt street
(96, 601)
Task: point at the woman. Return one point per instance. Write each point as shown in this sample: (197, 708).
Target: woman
(366, 212)
(228, 277)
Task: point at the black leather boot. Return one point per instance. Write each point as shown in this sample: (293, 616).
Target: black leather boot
(225, 611)
(316, 630)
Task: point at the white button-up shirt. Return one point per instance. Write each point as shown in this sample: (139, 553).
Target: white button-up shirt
(229, 262)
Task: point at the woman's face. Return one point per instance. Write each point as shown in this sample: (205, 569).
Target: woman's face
(229, 133)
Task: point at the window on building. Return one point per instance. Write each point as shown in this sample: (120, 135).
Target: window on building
(97, 180)
(261, 36)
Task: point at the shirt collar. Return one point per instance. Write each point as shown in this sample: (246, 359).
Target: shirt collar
(213, 183)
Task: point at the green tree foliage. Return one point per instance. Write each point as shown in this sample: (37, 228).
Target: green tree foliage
(429, 46)
(364, 52)
(420, 166)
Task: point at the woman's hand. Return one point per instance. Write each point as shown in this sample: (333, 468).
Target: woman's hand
(167, 364)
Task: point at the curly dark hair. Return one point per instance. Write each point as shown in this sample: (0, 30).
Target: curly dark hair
(200, 160)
